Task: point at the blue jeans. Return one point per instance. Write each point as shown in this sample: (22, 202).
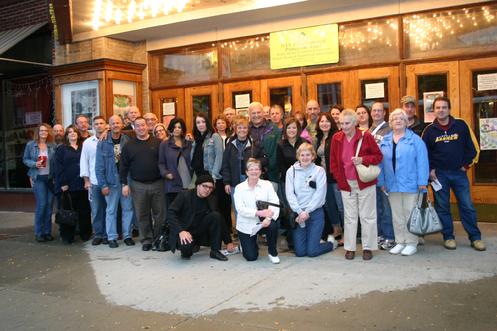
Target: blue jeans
(43, 191)
(384, 215)
(250, 249)
(338, 201)
(306, 240)
(98, 206)
(113, 199)
(457, 180)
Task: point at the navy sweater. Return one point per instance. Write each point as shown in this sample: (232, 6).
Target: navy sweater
(451, 149)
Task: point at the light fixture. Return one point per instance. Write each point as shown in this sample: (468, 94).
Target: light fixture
(106, 11)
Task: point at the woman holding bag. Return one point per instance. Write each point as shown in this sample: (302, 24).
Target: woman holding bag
(405, 171)
(359, 198)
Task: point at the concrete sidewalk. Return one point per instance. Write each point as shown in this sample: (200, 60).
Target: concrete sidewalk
(51, 286)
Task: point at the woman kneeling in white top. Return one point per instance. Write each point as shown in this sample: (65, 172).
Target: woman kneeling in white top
(246, 194)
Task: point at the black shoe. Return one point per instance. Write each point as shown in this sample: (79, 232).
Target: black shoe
(105, 241)
(40, 239)
(48, 237)
(129, 242)
(146, 247)
(218, 255)
(185, 257)
(196, 248)
(66, 242)
(96, 241)
(113, 244)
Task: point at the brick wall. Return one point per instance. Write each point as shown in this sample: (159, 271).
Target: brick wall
(21, 13)
(106, 48)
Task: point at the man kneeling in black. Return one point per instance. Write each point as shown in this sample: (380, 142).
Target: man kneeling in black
(194, 220)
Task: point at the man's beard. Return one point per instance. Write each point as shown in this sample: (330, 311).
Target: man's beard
(59, 139)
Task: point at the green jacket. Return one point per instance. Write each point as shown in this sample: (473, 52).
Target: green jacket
(269, 145)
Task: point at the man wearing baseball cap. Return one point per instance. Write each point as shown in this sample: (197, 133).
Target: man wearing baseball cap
(195, 221)
(409, 106)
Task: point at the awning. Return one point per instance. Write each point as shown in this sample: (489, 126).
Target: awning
(10, 38)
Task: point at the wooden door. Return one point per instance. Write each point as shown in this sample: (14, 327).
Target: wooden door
(285, 91)
(201, 98)
(478, 81)
(373, 84)
(164, 100)
(426, 80)
(330, 89)
(232, 90)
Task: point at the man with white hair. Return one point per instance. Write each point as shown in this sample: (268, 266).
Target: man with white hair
(132, 115)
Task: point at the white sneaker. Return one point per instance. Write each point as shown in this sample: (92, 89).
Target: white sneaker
(397, 249)
(331, 239)
(274, 259)
(409, 250)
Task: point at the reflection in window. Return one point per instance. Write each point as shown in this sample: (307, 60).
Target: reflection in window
(189, 66)
(485, 126)
(281, 96)
(202, 103)
(428, 34)
(329, 95)
(370, 95)
(429, 84)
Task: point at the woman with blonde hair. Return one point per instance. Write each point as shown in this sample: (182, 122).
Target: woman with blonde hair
(39, 158)
(305, 189)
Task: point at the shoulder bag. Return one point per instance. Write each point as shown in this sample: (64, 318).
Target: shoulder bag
(423, 219)
(67, 217)
(366, 173)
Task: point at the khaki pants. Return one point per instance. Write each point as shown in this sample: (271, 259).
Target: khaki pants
(360, 204)
(402, 205)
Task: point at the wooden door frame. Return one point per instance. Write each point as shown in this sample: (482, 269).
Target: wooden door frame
(389, 72)
(157, 95)
(451, 68)
(295, 82)
(229, 88)
(342, 77)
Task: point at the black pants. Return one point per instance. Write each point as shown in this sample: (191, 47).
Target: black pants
(81, 204)
(224, 203)
(250, 249)
(205, 232)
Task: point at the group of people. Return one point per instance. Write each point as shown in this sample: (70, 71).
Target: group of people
(295, 173)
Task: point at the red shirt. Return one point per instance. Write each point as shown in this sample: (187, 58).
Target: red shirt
(348, 151)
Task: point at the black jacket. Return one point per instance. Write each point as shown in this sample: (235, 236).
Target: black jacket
(327, 149)
(286, 155)
(181, 213)
(232, 167)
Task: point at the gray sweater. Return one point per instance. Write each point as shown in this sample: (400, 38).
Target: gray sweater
(299, 194)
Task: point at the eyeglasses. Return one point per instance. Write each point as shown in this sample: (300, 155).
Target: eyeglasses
(207, 187)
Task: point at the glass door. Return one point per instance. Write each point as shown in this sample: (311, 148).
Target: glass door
(330, 89)
(201, 99)
(479, 102)
(428, 80)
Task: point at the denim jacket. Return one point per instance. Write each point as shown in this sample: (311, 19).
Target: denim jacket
(411, 164)
(213, 154)
(105, 165)
(30, 157)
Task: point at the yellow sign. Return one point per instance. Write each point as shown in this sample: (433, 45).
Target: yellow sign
(304, 47)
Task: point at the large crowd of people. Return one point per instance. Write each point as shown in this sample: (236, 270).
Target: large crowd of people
(239, 182)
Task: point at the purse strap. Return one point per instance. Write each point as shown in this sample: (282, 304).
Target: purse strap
(359, 145)
(65, 193)
(420, 199)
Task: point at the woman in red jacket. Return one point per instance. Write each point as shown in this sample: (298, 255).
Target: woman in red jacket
(359, 198)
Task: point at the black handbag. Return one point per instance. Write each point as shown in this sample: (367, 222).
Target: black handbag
(67, 217)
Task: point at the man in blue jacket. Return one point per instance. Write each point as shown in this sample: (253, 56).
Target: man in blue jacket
(452, 150)
(107, 171)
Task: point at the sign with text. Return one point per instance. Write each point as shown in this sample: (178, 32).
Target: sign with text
(304, 47)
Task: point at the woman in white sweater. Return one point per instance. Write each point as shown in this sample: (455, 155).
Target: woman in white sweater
(305, 189)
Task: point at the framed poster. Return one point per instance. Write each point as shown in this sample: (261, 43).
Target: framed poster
(80, 98)
(428, 98)
(124, 96)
